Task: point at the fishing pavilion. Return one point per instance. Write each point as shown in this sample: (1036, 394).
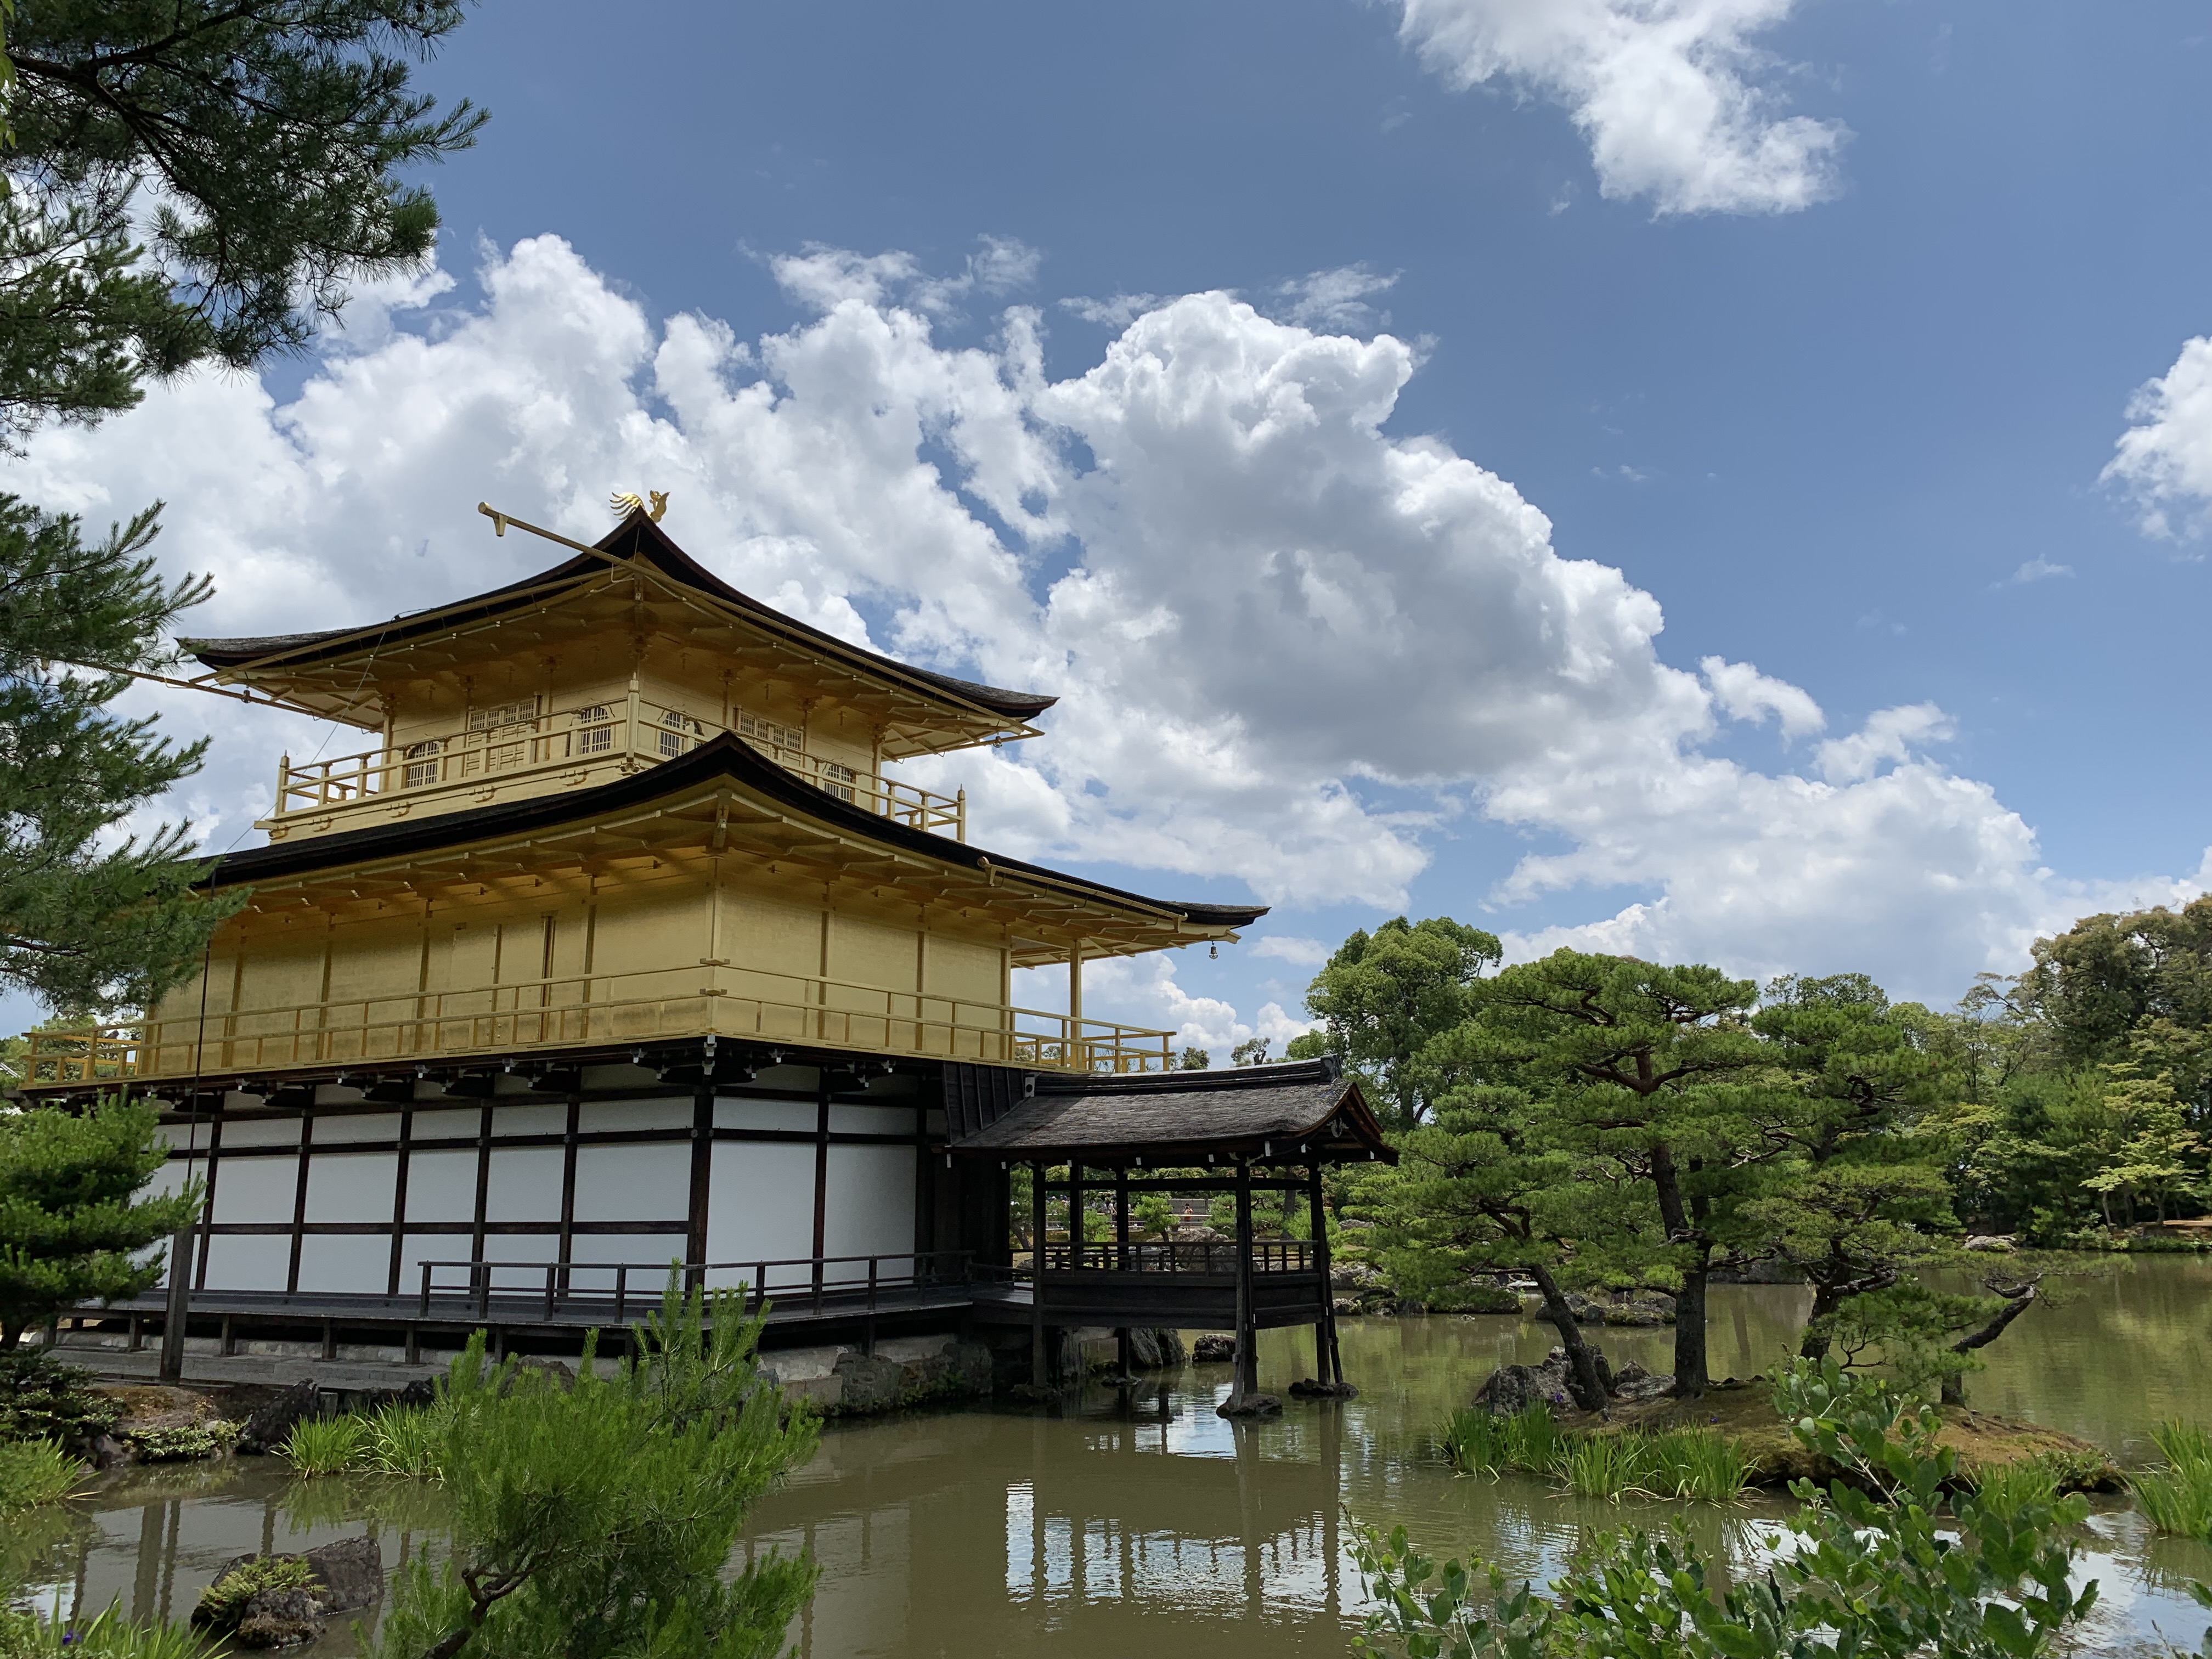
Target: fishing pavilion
(622, 945)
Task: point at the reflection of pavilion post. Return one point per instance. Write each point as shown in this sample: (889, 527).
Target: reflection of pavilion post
(1121, 1354)
(1332, 1464)
(1247, 1349)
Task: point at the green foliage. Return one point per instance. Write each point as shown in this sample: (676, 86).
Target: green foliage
(87, 921)
(597, 1519)
(326, 1445)
(35, 1472)
(183, 1446)
(1151, 1216)
(40, 1398)
(108, 1635)
(1384, 996)
(1194, 1060)
(1872, 1566)
(73, 1228)
(221, 1602)
(2178, 1499)
(269, 136)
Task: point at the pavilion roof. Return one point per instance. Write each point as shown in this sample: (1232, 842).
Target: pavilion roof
(1286, 1112)
(328, 672)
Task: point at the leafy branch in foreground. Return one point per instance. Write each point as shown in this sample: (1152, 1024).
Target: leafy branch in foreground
(1881, 1562)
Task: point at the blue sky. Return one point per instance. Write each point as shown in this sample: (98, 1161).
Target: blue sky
(1831, 380)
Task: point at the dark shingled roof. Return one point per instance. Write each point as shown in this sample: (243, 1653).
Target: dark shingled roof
(1284, 1113)
(636, 537)
(721, 756)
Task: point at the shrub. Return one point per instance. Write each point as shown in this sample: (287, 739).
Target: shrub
(325, 1445)
(183, 1446)
(42, 1399)
(1872, 1564)
(35, 1472)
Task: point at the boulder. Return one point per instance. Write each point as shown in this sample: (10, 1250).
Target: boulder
(1994, 1243)
(272, 1424)
(1157, 1350)
(348, 1574)
(1213, 1348)
(1308, 1388)
(1632, 1382)
(279, 1618)
(1511, 1389)
(1249, 1405)
(870, 1382)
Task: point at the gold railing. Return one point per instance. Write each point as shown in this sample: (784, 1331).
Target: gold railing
(491, 760)
(572, 1012)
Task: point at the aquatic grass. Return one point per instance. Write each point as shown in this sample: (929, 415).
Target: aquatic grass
(325, 1445)
(1476, 1441)
(221, 1602)
(35, 1472)
(409, 1441)
(2178, 1499)
(108, 1635)
(2004, 1489)
(1609, 1466)
(1696, 1464)
(1534, 1440)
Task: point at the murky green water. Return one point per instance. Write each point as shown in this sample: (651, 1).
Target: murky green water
(1127, 1523)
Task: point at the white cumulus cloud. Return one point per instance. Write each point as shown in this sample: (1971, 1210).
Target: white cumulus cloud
(1678, 103)
(1293, 648)
(2164, 461)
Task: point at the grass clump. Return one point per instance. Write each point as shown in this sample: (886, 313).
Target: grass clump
(183, 1446)
(1696, 1464)
(2178, 1498)
(106, 1636)
(35, 1472)
(324, 1445)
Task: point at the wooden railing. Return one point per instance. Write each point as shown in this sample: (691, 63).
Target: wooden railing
(579, 1011)
(615, 1291)
(447, 769)
(1269, 1256)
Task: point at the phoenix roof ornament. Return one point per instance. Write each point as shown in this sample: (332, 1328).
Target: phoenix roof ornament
(624, 502)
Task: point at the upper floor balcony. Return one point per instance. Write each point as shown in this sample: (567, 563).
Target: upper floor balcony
(508, 754)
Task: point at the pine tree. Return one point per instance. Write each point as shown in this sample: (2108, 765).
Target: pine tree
(73, 1227)
(596, 1521)
(265, 136)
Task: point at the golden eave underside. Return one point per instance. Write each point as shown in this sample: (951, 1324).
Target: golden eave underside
(1041, 921)
(638, 602)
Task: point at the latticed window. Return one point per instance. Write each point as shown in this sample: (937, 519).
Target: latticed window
(422, 766)
(837, 780)
(596, 736)
(519, 713)
(678, 729)
(768, 733)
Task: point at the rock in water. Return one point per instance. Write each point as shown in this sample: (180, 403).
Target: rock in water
(1213, 1348)
(1155, 1350)
(279, 1618)
(1249, 1405)
(1512, 1389)
(348, 1574)
(272, 1425)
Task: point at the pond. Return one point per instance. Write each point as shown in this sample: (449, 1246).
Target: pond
(1126, 1523)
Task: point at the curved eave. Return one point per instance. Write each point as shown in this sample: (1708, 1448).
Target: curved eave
(691, 783)
(637, 537)
(1289, 1112)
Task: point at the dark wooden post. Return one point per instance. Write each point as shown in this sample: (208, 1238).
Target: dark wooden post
(1325, 1324)
(1247, 1349)
(1037, 1374)
(1075, 1215)
(1122, 1355)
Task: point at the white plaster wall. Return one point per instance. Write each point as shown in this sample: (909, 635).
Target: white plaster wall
(651, 1182)
(524, 1184)
(441, 1186)
(255, 1190)
(350, 1185)
(251, 1261)
(366, 1126)
(799, 1115)
(760, 1206)
(871, 1120)
(530, 1120)
(609, 1116)
(340, 1261)
(448, 1124)
(260, 1132)
(871, 1202)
